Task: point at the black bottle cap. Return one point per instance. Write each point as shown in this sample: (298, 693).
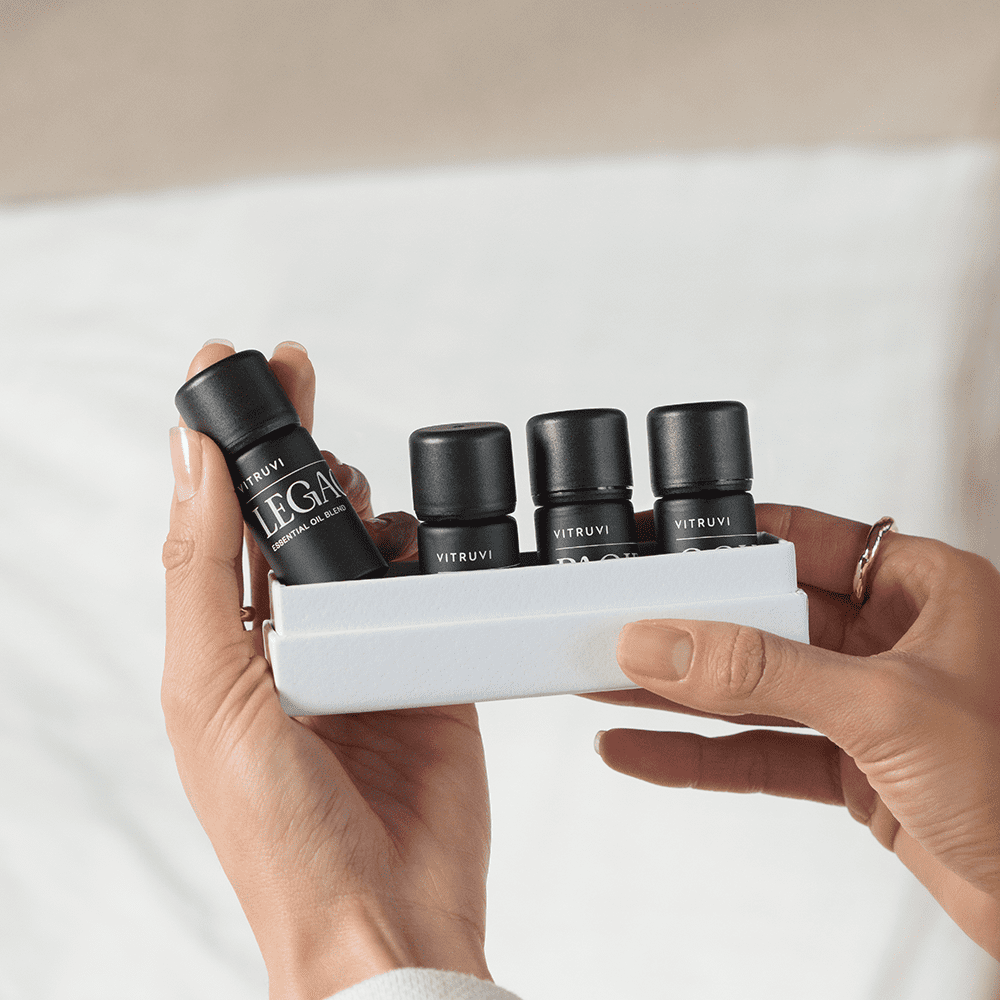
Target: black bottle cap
(696, 447)
(577, 455)
(236, 401)
(462, 472)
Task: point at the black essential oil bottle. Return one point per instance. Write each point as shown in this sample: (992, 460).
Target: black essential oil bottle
(700, 467)
(581, 482)
(463, 490)
(296, 510)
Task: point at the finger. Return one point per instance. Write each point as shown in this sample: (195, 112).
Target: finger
(290, 362)
(645, 526)
(353, 482)
(394, 534)
(786, 764)
(827, 548)
(732, 670)
(830, 616)
(641, 698)
(207, 647)
(260, 586)
(211, 352)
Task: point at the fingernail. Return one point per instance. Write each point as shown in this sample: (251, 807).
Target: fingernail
(597, 741)
(294, 345)
(219, 340)
(185, 456)
(653, 650)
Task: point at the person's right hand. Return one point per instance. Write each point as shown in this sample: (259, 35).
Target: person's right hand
(905, 689)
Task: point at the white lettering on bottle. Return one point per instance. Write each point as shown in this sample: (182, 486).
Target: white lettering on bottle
(685, 524)
(327, 484)
(477, 555)
(310, 494)
(256, 477)
(301, 496)
(599, 529)
(277, 509)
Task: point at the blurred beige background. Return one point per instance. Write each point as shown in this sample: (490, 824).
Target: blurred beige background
(109, 95)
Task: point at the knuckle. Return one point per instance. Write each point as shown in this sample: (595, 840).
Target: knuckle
(396, 536)
(981, 573)
(178, 552)
(744, 665)
(358, 491)
(751, 769)
(927, 559)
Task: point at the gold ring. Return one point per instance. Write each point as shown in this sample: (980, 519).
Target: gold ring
(859, 591)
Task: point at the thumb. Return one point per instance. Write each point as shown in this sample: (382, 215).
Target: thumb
(207, 647)
(727, 669)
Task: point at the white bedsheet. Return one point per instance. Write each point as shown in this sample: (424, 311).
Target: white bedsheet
(830, 290)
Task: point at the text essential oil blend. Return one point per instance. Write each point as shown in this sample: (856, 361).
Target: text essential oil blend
(700, 467)
(463, 490)
(295, 508)
(581, 483)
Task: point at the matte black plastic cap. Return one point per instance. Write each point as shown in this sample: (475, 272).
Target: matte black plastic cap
(577, 455)
(695, 447)
(236, 401)
(462, 472)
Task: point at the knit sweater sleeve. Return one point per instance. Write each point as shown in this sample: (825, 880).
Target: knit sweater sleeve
(424, 984)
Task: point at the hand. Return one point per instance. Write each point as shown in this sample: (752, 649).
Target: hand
(905, 689)
(356, 844)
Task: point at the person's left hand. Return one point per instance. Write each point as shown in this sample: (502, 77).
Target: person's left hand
(356, 844)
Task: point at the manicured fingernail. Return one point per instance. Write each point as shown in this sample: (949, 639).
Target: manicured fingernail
(185, 456)
(294, 345)
(219, 340)
(654, 650)
(597, 741)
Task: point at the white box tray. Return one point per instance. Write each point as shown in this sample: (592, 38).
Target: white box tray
(410, 641)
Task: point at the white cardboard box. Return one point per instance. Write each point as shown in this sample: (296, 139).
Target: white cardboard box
(409, 641)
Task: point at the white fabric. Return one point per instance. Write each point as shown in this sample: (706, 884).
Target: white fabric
(796, 281)
(424, 984)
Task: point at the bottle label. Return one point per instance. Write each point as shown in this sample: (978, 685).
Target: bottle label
(299, 515)
(580, 533)
(457, 547)
(296, 500)
(581, 544)
(690, 524)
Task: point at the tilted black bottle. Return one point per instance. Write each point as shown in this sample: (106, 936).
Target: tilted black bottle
(581, 483)
(295, 508)
(700, 467)
(463, 490)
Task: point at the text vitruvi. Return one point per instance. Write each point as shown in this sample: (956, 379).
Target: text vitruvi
(312, 488)
(589, 532)
(264, 472)
(702, 522)
(476, 555)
